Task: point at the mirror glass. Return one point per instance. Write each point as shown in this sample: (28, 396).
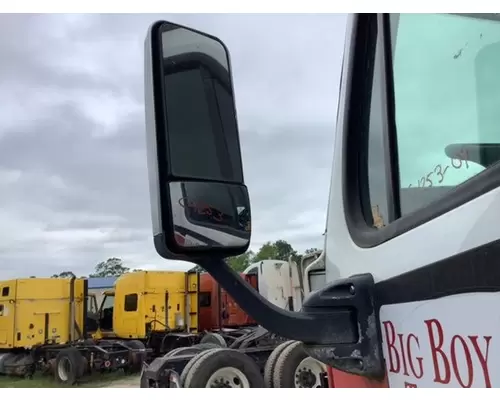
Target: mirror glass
(202, 133)
(210, 214)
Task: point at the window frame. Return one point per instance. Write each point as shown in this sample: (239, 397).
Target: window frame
(356, 195)
(129, 295)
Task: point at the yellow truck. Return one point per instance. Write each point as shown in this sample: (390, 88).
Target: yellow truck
(44, 325)
(157, 308)
(53, 324)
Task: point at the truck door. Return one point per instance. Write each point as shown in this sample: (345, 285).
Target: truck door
(7, 313)
(128, 307)
(415, 194)
(156, 310)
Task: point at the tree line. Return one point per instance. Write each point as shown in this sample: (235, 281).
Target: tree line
(278, 250)
(111, 267)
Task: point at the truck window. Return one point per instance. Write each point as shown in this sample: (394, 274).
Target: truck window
(5, 291)
(204, 299)
(131, 302)
(446, 89)
(1, 310)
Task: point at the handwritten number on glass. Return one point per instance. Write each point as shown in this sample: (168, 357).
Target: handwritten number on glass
(437, 175)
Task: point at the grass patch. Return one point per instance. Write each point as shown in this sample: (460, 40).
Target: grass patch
(40, 381)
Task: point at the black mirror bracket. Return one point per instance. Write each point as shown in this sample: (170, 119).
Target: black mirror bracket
(365, 356)
(337, 324)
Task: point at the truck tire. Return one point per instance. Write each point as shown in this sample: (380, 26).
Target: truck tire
(5, 359)
(224, 368)
(212, 337)
(136, 357)
(271, 363)
(295, 369)
(69, 366)
(191, 362)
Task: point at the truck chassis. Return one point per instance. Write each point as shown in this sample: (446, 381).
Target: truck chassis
(256, 343)
(71, 362)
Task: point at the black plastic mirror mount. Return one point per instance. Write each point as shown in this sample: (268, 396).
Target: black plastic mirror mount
(338, 324)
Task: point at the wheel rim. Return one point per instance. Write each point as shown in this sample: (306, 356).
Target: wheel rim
(63, 369)
(308, 373)
(228, 377)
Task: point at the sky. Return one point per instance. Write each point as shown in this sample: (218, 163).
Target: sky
(73, 176)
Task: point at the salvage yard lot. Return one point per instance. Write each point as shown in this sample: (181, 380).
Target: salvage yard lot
(114, 379)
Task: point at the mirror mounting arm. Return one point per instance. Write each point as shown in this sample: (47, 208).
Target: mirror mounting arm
(338, 324)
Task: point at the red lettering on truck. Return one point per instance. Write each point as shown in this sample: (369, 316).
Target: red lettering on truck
(403, 353)
(446, 367)
(458, 358)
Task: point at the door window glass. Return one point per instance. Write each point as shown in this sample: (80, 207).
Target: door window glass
(447, 102)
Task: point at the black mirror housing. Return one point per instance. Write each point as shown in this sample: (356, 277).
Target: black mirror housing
(200, 205)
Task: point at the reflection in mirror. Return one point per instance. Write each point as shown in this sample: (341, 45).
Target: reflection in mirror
(210, 214)
(201, 116)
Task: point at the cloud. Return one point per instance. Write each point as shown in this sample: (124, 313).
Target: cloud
(73, 171)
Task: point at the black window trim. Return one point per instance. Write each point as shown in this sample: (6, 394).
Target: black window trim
(356, 197)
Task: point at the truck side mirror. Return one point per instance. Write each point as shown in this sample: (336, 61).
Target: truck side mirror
(200, 204)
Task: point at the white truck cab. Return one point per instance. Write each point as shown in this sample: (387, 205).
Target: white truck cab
(413, 226)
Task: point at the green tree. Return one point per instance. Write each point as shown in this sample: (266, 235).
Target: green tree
(241, 262)
(278, 250)
(266, 252)
(64, 274)
(111, 267)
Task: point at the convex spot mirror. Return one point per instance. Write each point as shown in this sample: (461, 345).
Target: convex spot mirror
(200, 204)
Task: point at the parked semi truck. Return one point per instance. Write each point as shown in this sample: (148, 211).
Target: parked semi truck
(45, 325)
(281, 283)
(407, 294)
(147, 314)
(163, 310)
